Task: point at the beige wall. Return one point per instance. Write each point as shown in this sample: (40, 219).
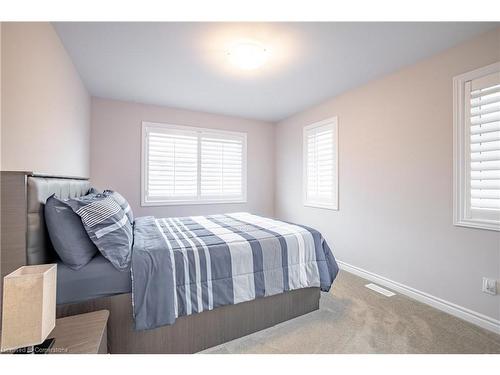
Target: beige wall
(116, 154)
(45, 106)
(395, 181)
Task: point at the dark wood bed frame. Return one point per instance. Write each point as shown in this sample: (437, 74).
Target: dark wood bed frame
(189, 334)
(193, 333)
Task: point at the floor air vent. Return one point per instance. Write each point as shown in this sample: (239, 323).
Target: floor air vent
(380, 290)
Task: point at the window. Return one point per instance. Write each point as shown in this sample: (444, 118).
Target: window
(477, 148)
(320, 164)
(187, 165)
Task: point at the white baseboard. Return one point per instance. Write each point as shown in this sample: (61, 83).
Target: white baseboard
(473, 317)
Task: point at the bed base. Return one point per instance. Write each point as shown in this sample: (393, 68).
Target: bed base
(191, 334)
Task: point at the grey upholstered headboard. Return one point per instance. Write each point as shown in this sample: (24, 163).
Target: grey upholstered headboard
(38, 247)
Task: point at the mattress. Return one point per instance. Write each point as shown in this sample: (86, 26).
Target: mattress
(96, 279)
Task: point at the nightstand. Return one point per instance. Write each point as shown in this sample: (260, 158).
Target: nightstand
(81, 334)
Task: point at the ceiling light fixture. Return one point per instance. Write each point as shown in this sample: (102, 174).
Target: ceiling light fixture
(248, 55)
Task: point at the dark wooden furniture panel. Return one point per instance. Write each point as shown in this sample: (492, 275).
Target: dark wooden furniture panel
(196, 332)
(13, 222)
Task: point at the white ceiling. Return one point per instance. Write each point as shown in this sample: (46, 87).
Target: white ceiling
(184, 65)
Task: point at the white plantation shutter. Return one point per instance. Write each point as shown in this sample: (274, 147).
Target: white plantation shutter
(221, 166)
(183, 165)
(172, 164)
(320, 164)
(483, 119)
(479, 190)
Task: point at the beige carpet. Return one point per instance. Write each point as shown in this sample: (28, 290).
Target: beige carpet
(355, 319)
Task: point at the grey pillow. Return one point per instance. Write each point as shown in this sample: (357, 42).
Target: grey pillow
(67, 234)
(122, 202)
(107, 225)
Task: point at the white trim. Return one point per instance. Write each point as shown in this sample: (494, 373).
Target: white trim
(461, 215)
(464, 313)
(329, 121)
(208, 200)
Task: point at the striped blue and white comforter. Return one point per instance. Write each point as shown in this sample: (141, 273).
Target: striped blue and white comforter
(182, 266)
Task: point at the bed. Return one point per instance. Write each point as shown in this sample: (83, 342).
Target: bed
(145, 321)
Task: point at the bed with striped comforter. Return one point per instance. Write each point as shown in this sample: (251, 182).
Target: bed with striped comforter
(187, 265)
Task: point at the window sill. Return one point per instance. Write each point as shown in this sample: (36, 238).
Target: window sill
(190, 203)
(477, 224)
(322, 206)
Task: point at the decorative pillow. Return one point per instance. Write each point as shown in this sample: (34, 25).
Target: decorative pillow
(122, 202)
(107, 225)
(67, 234)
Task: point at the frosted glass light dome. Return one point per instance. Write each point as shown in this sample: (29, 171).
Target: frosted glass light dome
(248, 55)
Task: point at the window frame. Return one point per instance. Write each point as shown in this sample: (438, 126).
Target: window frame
(335, 166)
(461, 153)
(145, 202)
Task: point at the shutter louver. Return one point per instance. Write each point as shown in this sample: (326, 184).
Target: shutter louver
(221, 166)
(484, 122)
(172, 165)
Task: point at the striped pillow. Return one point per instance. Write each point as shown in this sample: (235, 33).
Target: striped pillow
(122, 202)
(107, 226)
